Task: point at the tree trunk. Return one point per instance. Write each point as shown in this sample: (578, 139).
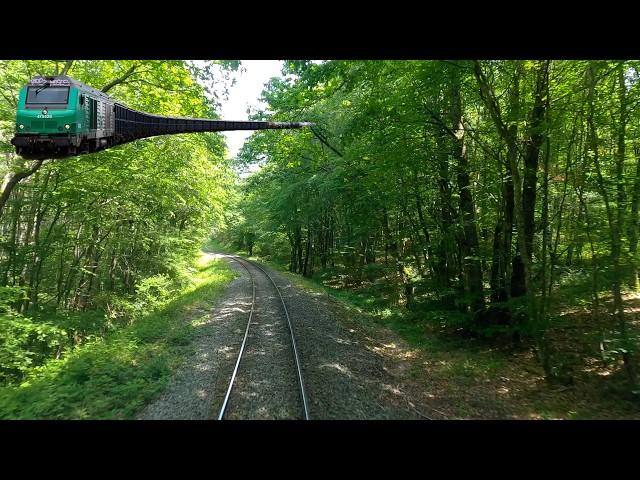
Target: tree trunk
(12, 179)
(469, 242)
(613, 218)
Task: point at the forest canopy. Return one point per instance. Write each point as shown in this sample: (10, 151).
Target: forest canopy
(490, 196)
(83, 239)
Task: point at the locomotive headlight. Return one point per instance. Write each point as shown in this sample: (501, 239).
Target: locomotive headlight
(21, 126)
(67, 126)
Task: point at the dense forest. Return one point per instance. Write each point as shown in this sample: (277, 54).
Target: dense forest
(488, 197)
(86, 241)
(492, 200)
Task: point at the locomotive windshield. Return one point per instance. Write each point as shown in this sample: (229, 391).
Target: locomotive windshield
(48, 95)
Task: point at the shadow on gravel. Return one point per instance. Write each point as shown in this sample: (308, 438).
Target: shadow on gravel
(196, 390)
(344, 376)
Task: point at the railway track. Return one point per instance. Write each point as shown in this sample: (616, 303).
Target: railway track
(225, 409)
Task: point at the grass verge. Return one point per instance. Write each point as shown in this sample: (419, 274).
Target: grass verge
(113, 377)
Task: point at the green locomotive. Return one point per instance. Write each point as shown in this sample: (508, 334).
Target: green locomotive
(59, 117)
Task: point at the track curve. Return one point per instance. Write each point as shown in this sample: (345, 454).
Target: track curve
(298, 368)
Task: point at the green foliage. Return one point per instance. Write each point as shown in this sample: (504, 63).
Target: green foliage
(25, 344)
(11, 295)
(413, 210)
(113, 376)
(90, 245)
(151, 293)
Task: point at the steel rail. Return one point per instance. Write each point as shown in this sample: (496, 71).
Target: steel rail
(244, 340)
(293, 340)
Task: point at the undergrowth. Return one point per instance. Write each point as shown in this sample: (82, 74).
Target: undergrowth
(122, 362)
(489, 355)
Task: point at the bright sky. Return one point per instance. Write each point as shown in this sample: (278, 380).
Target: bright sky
(244, 94)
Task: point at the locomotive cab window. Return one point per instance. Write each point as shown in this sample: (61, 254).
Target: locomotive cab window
(47, 95)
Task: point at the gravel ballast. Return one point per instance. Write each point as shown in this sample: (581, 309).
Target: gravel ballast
(344, 377)
(266, 386)
(344, 374)
(192, 393)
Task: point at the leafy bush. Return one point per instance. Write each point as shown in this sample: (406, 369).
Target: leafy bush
(444, 319)
(29, 342)
(114, 373)
(113, 377)
(151, 293)
(154, 291)
(374, 271)
(25, 344)
(11, 295)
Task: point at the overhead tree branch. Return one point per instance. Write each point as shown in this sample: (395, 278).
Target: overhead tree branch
(119, 80)
(14, 179)
(67, 67)
(489, 99)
